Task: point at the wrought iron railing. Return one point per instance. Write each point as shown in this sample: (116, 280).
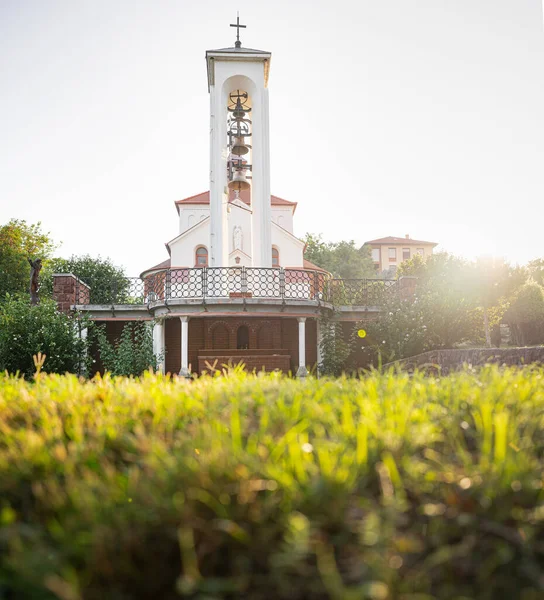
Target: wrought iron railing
(236, 282)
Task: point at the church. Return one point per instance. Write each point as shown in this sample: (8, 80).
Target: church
(235, 287)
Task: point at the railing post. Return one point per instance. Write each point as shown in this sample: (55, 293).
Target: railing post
(243, 281)
(282, 283)
(315, 296)
(167, 285)
(205, 283)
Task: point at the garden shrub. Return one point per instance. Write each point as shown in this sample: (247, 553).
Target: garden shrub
(132, 354)
(430, 320)
(393, 487)
(26, 330)
(526, 315)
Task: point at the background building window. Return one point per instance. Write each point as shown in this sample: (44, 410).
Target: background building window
(392, 254)
(201, 257)
(376, 254)
(275, 257)
(421, 251)
(405, 253)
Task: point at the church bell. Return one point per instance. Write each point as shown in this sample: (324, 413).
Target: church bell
(238, 112)
(239, 147)
(239, 181)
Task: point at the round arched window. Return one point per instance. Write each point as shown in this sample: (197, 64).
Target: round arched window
(201, 257)
(275, 257)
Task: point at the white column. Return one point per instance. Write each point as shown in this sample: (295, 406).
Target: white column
(184, 371)
(83, 334)
(261, 218)
(158, 345)
(302, 370)
(218, 178)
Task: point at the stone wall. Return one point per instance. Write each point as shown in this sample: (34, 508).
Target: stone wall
(445, 361)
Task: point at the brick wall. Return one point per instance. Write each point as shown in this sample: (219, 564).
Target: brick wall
(172, 337)
(196, 341)
(221, 336)
(217, 335)
(69, 290)
(173, 343)
(289, 334)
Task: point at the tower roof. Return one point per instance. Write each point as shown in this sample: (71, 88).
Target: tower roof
(234, 54)
(237, 51)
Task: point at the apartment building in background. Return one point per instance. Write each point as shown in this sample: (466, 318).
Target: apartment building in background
(389, 252)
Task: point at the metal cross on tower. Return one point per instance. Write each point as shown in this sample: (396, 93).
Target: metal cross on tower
(238, 43)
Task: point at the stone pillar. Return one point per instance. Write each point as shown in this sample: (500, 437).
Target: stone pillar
(69, 291)
(83, 335)
(158, 345)
(302, 370)
(184, 371)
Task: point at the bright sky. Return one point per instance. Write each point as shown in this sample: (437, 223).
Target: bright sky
(387, 117)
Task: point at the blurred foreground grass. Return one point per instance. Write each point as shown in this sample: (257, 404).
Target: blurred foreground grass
(392, 486)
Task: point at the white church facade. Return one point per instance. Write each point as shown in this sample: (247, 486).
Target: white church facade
(235, 287)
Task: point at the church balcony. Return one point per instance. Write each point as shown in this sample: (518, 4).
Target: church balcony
(236, 284)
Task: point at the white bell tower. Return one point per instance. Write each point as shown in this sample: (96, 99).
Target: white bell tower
(239, 146)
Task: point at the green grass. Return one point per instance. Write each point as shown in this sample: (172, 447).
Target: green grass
(390, 487)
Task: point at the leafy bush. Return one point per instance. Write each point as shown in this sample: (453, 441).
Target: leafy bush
(336, 347)
(528, 305)
(429, 321)
(108, 282)
(526, 315)
(394, 487)
(132, 354)
(26, 330)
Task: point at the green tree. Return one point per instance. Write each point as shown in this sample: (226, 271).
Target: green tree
(342, 259)
(20, 241)
(484, 285)
(107, 281)
(26, 330)
(526, 315)
(535, 270)
(429, 321)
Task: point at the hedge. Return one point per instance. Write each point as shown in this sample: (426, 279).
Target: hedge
(394, 486)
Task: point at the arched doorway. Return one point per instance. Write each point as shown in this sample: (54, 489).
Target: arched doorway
(242, 338)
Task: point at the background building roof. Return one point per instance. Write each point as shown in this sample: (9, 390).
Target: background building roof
(401, 240)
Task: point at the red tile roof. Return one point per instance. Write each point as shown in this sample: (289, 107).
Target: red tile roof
(310, 265)
(165, 264)
(204, 198)
(400, 240)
